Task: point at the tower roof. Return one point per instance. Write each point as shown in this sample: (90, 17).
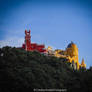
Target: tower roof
(70, 45)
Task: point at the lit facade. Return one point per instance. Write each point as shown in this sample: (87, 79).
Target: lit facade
(70, 53)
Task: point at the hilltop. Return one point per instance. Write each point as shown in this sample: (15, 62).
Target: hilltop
(22, 70)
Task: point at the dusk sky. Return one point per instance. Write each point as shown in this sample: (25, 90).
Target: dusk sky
(52, 22)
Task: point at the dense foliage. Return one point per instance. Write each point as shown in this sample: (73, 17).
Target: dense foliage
(22, 71)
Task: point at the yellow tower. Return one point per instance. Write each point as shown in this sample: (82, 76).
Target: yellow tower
(72, 51)
(83, 64)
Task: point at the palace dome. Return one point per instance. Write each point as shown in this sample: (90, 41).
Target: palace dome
(72, 49)
(72, 45)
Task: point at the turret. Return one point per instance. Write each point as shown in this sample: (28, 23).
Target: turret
(83, 65)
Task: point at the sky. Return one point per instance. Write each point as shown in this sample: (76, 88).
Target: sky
(52, 22)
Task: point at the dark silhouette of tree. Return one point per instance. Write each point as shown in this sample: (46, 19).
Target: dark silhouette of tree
(22, 70)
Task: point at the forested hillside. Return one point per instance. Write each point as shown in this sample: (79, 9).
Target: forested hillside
(21, 71)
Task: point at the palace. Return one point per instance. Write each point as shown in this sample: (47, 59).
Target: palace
(70, 53)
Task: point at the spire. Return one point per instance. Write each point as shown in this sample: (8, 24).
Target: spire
(83, 63)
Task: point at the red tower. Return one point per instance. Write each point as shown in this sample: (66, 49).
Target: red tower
(28, 46)
(27, 40)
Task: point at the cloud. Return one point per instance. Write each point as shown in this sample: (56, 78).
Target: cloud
(12, 41)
